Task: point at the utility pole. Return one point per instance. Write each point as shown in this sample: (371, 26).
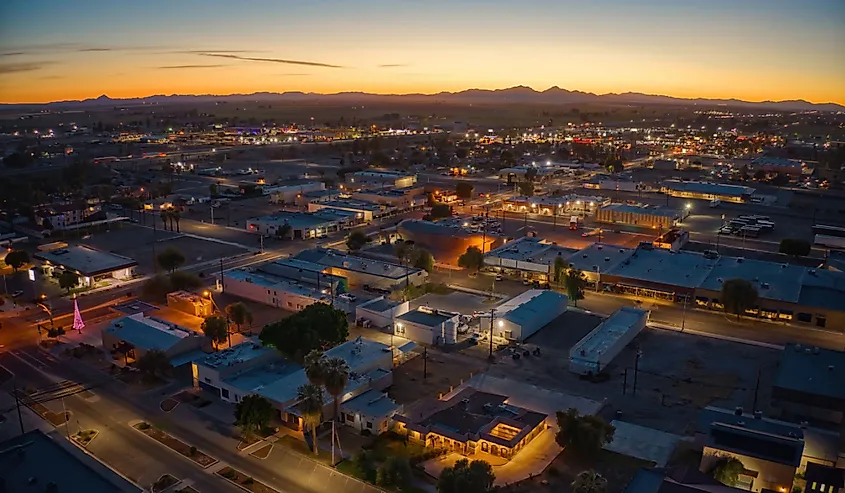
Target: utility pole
(18, 404)
(222, 284)
(212, 214)
(492, 315)
(636, 369)
(684, 314)
(756, 390)
(154, 243)
(425, 362)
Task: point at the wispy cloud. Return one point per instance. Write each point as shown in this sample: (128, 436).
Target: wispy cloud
(392, 65)
(94, 50)
(203, 52)
(11, 68)
(186, 67)
(292, 75)
(270, 60)
(13, 53)
(52, 77)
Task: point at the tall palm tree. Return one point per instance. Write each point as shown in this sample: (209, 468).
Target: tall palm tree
(336, 376)
(176, 215)
(315, 367)
(589, 482)
(164, 214)
(310, 407)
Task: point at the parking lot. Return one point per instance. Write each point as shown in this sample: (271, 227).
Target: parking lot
(136, 242)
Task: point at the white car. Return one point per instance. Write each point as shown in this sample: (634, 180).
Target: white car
(348, 297)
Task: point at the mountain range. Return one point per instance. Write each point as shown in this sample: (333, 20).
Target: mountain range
(513, 95)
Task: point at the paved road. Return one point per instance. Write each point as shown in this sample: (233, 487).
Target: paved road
(124, 449)
(141, 458)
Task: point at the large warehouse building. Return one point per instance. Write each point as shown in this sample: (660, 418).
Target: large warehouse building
(707, 191)
(646, 217)
(91, 265)
(522, 316)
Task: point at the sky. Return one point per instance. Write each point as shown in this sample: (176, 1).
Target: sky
(747, 49)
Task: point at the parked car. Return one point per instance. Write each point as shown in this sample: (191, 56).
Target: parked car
(347, 297)
(17, 293)
(500, 277)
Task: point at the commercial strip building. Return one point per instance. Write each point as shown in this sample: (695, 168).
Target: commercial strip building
(772, 452)
(380, 179)
(573, 204)
(792, 167)
(286, 294)
(427, 326)
(39, 462)
(303, 225)
(288, 194)
(473, 421)
(592, 354)
(707, 191)
(640, 216)
(360, 271)
(604, 182)
(786, 292)
(130, 337)
(249, 368)
(522, 316)
(91, 265)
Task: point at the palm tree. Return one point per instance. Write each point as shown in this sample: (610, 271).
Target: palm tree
(310, 407)
(315, 367)
(336, 376)
(163, 215)
(176, 215)
(589, 482)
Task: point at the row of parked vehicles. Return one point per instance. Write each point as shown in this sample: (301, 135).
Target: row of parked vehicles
(748, 225)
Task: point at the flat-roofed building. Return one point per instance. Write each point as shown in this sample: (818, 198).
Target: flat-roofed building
(302, 225)
(592, 354)
(446, 240)
(190, 303)
(658, 273)
(381, 179)
(280, 292)
(792, 167)
(400, 198)
(522, 316)
(318, 196)
(63, 215)
(91, 265)
(598, 259)
(645, 217)
(427, 326)
(40, 462)
(133, 336)
(360, 271)
(527, 257)
(364, 212)
(288, 194)
(604, 182)
(707, 191)
(809, 385)
(380, 312)
(582, 205)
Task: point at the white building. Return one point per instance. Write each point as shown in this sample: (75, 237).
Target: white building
(381, 311)
(360, 271)
(282, 293)
(288, 194)
(592, 354)
(427, 326)
(522, 316)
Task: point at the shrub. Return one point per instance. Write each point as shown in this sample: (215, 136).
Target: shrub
(553, 471)
(192, 451)
(144, 426)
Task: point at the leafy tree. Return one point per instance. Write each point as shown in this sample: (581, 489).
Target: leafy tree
(439, 211)
(68, 280)
(394, 472)
(589, 482)
(507, 157)
(47, 224)
(20, 159)
(356, 240)
(779, 180)
(464, 190)
(54, 332)
(253, 414)
(738, 295)
(184, 281)
(760, 175)
(318, 325)
(526, 188)
(584, 435)
(467, 477)
(423, 259)
(795, 247)
(215, 328)
(574, 282)
(726, 470)
(17, 259)
(239, 314)
(157, 287)
(213, 190)
(559, 268)
(170, 259)
(472, 259)
(154, 363)
(531, 175)
(336, 377)
(310, 407)
(315, 367)
(284, 231)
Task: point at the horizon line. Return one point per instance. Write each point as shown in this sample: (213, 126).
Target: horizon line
(424, 94)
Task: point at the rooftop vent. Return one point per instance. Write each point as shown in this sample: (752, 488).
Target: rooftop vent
(739, 260)
(830, 367)
(758, 414)
(738, 411)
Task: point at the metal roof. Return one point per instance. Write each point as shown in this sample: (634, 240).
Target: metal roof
(684, 269)
(428, 319)
(774, 281)
(85, 260)
(816, 371)
(708, 188)
(148, 333)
